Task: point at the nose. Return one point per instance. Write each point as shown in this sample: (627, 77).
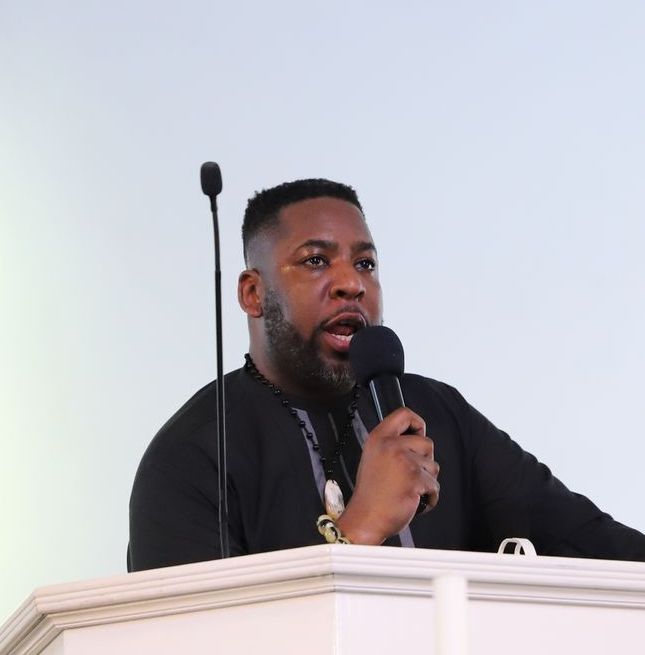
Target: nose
(347, 283)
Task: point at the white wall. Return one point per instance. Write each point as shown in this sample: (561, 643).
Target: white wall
(498, 149)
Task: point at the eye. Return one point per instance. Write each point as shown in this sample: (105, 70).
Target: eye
(315, 261)
(366, 264)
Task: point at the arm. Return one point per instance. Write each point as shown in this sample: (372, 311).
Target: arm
(174, 513)
(515, 495)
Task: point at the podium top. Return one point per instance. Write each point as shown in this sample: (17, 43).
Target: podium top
(314, 570)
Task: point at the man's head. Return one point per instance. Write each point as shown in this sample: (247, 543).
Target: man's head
(263, 209)
(311, 282)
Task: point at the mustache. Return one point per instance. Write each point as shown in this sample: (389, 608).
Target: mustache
(349, 308)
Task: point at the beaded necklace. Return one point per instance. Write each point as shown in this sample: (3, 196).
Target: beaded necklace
(334, 502)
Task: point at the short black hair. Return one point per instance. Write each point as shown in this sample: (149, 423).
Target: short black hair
(263, 208)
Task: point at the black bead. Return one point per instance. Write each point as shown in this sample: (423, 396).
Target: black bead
(252, 369)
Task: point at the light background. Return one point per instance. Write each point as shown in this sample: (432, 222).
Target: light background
(498, 149)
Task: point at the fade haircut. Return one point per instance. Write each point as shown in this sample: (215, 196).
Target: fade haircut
(263, 209)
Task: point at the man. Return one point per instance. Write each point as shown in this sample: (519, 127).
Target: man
(296, 424)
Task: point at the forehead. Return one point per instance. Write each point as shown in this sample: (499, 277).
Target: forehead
(324, 219)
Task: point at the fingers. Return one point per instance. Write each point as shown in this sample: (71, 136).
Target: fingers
(422, 472)
(404, 431)
(421, 446)
(431, 487)
(397, 476)
(428, 485)
(402, 421)
(431, 468)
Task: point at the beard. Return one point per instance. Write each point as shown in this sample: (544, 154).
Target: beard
(300, 358)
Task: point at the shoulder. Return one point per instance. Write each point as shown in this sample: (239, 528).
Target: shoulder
(192, 425)
(422, 389)
(441, 402)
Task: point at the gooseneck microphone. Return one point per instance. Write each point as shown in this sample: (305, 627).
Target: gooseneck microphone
(211, 179)
(377, 359)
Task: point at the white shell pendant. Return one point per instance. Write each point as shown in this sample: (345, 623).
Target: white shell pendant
(334, 501)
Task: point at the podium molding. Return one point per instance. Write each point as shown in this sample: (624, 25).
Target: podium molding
(353, 572)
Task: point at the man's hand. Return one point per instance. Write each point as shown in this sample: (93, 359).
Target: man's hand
(397, 468)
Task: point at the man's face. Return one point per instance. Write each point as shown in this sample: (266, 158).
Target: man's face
(320, 274)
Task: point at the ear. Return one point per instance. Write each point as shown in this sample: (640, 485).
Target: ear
(250, 291)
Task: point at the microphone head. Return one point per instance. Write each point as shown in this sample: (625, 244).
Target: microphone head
(375, 351)
(211, 178)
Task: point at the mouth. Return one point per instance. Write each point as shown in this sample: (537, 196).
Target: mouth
(338, 332)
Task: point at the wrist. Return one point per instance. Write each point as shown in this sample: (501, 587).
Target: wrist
(359, 530)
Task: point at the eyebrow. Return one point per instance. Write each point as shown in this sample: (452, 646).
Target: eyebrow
(324, 244)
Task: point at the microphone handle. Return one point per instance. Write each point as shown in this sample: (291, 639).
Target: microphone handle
(386, 394)
(387, 397)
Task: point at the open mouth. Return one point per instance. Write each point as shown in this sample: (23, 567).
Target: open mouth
(340, 330)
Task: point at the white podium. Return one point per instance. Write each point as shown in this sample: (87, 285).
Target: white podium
(341, 600)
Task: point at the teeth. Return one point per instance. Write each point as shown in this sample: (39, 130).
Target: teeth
(343, 337)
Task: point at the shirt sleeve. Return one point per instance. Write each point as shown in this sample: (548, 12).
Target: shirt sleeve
(515, 495)
(174, 513)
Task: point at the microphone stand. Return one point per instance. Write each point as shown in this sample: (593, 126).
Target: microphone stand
(211, 179)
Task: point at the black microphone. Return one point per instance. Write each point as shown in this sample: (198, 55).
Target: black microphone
(377, 359)
(211, 179)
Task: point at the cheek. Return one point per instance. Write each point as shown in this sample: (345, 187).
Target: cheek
(375, 297)
(302, 309)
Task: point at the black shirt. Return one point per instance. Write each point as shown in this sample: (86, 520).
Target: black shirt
(490, 488)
